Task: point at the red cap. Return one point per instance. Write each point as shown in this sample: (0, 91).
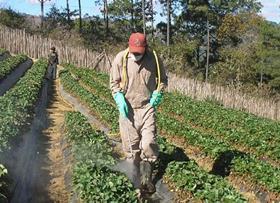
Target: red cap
(137, 43)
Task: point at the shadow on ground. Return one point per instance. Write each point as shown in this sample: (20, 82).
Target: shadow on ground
(222, 165)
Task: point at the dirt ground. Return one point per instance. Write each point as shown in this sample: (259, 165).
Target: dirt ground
(59, 161)
(37, 163)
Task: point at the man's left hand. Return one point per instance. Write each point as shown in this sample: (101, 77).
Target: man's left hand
(156, 98)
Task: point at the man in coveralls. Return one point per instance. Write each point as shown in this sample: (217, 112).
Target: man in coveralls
(137, 90)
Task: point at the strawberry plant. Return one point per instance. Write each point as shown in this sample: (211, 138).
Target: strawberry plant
(8, 65)
(3, 51)
(259, 171)
(211, 145)
(187, 176)
(260, 135)
(17, 104)
(207, 187)
(92, 81)
(101, 78)
(106, 111)
(93, 178)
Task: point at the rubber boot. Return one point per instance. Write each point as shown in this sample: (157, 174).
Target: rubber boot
(146, 170)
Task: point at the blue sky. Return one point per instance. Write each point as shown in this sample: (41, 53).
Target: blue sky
(270, 11)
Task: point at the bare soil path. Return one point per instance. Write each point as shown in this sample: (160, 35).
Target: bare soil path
(60, 160)
(37, 162)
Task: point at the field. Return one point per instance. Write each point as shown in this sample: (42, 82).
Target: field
(208, 153)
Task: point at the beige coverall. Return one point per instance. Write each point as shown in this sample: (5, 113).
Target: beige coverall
(138, 132)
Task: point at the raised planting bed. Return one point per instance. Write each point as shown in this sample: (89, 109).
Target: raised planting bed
(185, 177)
(8, 65)
(4, 54)
(247, 132)
(100, 107)
(259, 172)
(11, 79)
(17, 104)
(93, 177)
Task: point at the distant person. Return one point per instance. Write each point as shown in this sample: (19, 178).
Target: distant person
(53, 62)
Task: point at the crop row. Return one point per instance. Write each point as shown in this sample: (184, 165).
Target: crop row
(104, 110)
(93, 81)
(17, 104)
(224, 190)
(259, 171)
(261, 135)
(235, 127)
(214, 188)
(101, 78)
(93, 177)
(185, 175)
(9, 64)
(244, 164)
(2, 51)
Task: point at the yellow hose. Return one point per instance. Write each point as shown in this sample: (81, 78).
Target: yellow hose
(124, 72)
(158, 70)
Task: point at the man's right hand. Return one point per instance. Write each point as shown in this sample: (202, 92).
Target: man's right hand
(120, 101)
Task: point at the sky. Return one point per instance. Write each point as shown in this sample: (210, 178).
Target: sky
(270, 10)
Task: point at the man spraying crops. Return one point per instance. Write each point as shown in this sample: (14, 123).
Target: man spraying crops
(137, 80)
(53, 62)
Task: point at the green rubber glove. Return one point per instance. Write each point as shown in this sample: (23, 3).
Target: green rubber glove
(120, 101)
(156, 98)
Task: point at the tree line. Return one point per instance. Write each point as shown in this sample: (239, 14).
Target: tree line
(218, 41)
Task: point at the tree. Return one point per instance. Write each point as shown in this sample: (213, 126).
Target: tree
(144, 16)
(152, 18)
(106, 17)
(268, 54)
(201, 20)
(59, 19)
(121, 10)
(249, 52)
(132, 14)
(168, 6)
(11, 18)
(68, 11)
(80, 16)
(105, 12)
(169, 10)
(42, 10)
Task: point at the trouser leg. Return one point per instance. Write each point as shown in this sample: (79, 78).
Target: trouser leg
(130, 137)
(148, 145)
(130, 143)
(54, 67)
(149, 149)
(49, 72)
(141, 126)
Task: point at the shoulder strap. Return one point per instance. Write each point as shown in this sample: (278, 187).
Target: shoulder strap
(124, 69)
